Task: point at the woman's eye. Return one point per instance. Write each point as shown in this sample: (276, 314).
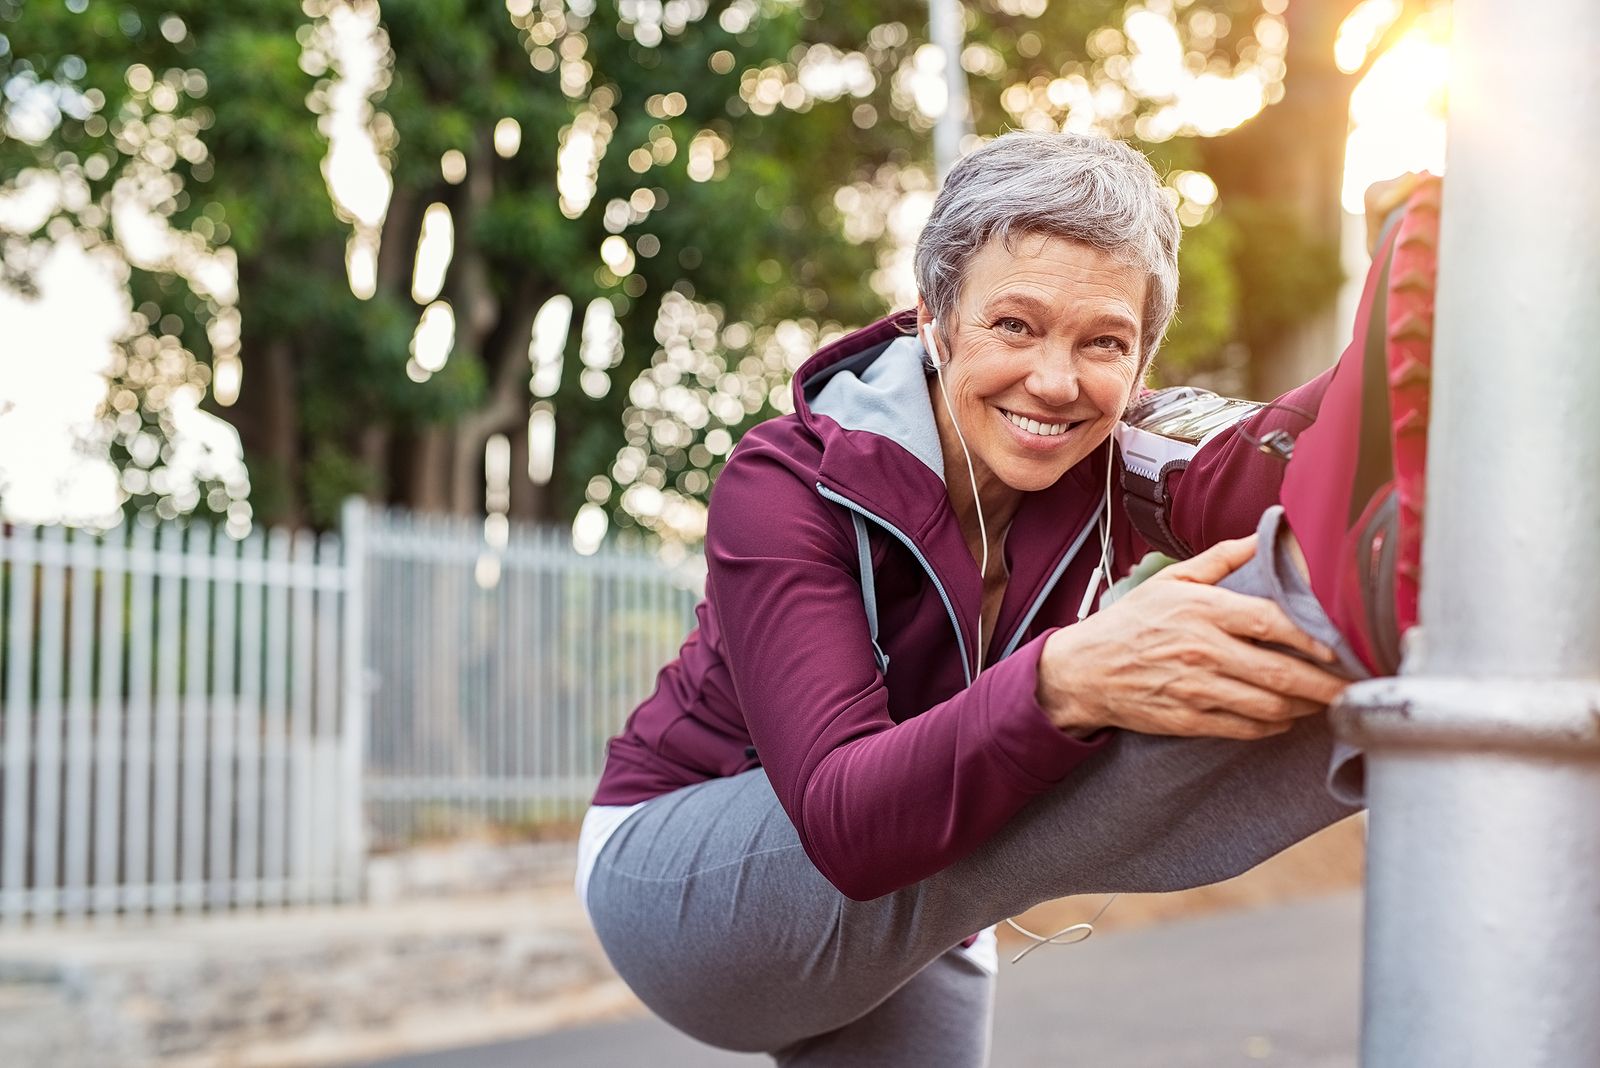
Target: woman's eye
(1111, 343)
(1009, 325)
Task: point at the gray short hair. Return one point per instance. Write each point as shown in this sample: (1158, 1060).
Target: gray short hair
(1082, 188)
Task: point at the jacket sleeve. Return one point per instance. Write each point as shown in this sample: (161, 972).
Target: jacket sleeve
(1230, 482)
(878, 805)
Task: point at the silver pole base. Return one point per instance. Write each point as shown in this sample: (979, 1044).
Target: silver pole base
(1484, 828)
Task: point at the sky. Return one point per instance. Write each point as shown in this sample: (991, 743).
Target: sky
(55, 351)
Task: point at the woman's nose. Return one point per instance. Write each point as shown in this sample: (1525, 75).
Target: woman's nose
(1055, 379)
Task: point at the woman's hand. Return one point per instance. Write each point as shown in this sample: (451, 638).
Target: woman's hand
(1178, 656)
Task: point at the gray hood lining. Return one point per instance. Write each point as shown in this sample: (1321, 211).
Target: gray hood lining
(888, 396)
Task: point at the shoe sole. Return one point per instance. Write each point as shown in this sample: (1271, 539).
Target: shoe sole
(1413, 281)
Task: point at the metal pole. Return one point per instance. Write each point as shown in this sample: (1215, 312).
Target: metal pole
(945, 31)
(1483, 886)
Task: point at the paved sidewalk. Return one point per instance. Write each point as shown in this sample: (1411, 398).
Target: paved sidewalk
(1276, 985)
(298, 987)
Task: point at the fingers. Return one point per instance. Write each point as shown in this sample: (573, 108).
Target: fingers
(1282, 676)
(1213, 565)
(1261, 620)
(1247, 698)
(1269, 716)
(1226, 725)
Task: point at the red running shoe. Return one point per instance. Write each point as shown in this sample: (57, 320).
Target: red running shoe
(1354, 490)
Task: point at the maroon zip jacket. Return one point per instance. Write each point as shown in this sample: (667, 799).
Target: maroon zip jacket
(891, 765)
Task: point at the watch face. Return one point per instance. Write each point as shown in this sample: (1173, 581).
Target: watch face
(1189, 415)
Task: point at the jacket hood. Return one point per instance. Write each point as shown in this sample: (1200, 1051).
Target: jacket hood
(864, 399)
(883, 391)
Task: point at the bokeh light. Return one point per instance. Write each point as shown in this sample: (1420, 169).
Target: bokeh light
(1397, 112)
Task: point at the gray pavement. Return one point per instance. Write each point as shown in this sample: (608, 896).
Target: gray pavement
(1275, 985)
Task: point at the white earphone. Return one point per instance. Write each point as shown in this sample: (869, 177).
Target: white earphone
(931, 343)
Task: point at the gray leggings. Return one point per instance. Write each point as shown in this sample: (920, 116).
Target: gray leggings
(712, 913)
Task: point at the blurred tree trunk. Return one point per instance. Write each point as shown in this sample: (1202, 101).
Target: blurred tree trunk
(427, 485)
(1291, 156)
(376, 446)
(268, 420)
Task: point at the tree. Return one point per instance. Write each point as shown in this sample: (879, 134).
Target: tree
(195, 115)
(684, 201)
(1280, 174)
(327, 407)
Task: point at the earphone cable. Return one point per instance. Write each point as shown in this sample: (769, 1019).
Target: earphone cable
(1058, 939)
(972, 475)
(1103, 568)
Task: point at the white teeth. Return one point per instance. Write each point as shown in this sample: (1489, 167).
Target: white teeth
(1033, 426)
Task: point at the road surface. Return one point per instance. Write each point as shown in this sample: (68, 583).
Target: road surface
(1273, 986)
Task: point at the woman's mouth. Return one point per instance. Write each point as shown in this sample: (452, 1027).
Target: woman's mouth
(1037, 432)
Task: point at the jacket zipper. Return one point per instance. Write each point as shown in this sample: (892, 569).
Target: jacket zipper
(1061, 569)
(1027, 618)
(961, 642)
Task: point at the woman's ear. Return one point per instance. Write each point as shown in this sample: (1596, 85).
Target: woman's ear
(924, 315)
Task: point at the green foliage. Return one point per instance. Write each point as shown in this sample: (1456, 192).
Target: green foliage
(1287, 273)
(740, 259)
(331, 476)
(1208, 303)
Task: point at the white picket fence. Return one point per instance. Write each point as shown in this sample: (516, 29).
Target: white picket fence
(176, 733)
(188, 722)
(498, 672)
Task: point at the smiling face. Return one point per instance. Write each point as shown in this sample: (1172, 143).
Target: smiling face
(1042, 355)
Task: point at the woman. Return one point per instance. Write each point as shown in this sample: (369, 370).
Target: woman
(889, 728)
